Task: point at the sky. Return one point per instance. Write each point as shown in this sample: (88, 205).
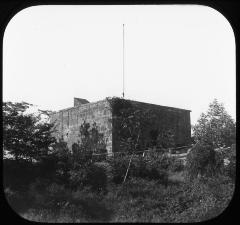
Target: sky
(180, 56)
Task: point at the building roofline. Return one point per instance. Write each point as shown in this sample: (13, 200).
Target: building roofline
(104, 100)
(169, 107)
(83, 105)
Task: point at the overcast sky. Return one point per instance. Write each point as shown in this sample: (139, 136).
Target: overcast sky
(178, 56)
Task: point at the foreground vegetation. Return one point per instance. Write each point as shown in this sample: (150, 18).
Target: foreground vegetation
(149, 194)
(49, 183)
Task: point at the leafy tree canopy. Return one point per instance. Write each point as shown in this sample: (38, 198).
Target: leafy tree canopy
(25, 135)
(216, 127)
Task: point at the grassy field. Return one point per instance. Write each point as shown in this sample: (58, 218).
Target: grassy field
(157, 189)
(140, 200)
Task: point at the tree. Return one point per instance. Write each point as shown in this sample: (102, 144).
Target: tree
(83, 170)
(216, 127)
(91, 139)
(25, 135)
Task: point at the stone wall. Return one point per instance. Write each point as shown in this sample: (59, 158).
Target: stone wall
(168, 118)
(175, 119)
(68, 121)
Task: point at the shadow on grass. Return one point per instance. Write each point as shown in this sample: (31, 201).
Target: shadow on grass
(90, 208)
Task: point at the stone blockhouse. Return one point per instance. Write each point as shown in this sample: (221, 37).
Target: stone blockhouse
(68, 121)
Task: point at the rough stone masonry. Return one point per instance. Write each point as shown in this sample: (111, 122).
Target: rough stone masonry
(68, 121)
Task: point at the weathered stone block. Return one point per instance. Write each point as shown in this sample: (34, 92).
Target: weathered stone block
(68, 121)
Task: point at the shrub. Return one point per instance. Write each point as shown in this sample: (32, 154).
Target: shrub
(77, 178)
(157, 166)
(202, 161)
(230, 167)
(83, 169)
(96, 178)
(151, 167)
(209, 195)
(105, 165)
(119, 167)
(91, 175)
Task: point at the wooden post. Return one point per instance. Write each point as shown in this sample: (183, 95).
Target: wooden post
(128, 168)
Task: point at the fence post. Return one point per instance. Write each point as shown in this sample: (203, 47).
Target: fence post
(128, 168)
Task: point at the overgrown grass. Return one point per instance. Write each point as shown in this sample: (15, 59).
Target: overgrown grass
(137, 200)
(156, 190)
(176, 177)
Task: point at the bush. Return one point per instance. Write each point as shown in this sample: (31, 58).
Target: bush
(83, 169)
(203, 161)
(105, 165)
(151, 167)
(119, 166)
(77, 178)
(96, 178)
(91, 175)
(157, 166)
(209, 196)
(230, 167)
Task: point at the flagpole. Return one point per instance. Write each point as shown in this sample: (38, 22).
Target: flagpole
(123, 61)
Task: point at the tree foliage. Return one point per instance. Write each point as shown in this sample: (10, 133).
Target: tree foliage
(83, 171)
(25, 135)
(91, 139)
(216, 126)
